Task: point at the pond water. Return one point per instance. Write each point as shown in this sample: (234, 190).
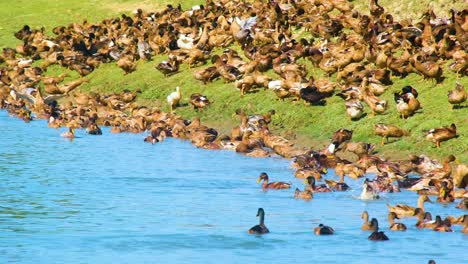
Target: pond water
(115, 199)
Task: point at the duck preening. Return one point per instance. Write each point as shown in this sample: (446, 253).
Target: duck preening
(260, 228)
(199, 101)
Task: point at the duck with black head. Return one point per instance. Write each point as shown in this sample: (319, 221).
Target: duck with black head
(260, 228)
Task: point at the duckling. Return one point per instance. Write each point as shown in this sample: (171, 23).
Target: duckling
(366, 225)
(310, 182)
(387, 131)
(168, 68)
(69, 134)
(260, 228)
(438, 135)
(173, 98)
(272, 185)
(395, 226)
(376, 234)
(305, 195)
(457, 96)
(441, 226)
(403, 210)
(323, 230)
(198, 101)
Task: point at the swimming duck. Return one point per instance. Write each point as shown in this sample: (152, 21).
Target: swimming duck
(272, 185)
(322, 229)
(465, 224)
(387, 131)
(69, 134)
(303, 173)
(198, 101)
(453, 220)
(368, 193)
(403, 210)
(339, 185)
(457, 96)
(441, 226)
(354, 171)
(305, 195)
(424, 219)
(463, 204)
(366, 225)
(438, 135)
(376, 234)
(173, 98)
(310, 182)
(395, 226)
(445, 194)
(260, 228)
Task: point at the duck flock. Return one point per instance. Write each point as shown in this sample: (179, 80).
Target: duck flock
(361, 50)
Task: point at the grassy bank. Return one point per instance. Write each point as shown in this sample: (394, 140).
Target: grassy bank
(312, 125)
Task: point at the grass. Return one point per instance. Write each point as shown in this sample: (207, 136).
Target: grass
(312, 125)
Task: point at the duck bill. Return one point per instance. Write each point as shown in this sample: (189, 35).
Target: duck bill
(258, 180)
(305, 182)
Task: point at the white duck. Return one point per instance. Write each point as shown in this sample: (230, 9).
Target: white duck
(174, 98)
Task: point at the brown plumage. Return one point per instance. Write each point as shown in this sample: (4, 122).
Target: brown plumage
(388, 131)
(272, 185)
(438, 135)
(457, 96)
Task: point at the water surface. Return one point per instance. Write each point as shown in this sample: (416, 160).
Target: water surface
(116, 199)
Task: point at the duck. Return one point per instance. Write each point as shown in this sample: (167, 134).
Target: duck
(403, 210)
(199, 101)
(366, 225)
(322, 229)
(445, 194)
(376, 104)
(311, 95)
(453, 220)
(260, 228)
(438, 135)
(310, 182)
(303, 173)
(386, 131)
(465, 224)
(354, 109)
(441, 226)
(173, 98)
(407, 104)
(272, 185)
(368, 192)
(457, 96)
(338, 186)
(463, 204)
(127, 64)
(353, 171)
(376, 234)
(305, 195)
(339, 137)
(168, 68)
(395, 226)
(69, 134)
(424, 219)
(460, 178)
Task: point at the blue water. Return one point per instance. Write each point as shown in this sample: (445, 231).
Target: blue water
(116, 199)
